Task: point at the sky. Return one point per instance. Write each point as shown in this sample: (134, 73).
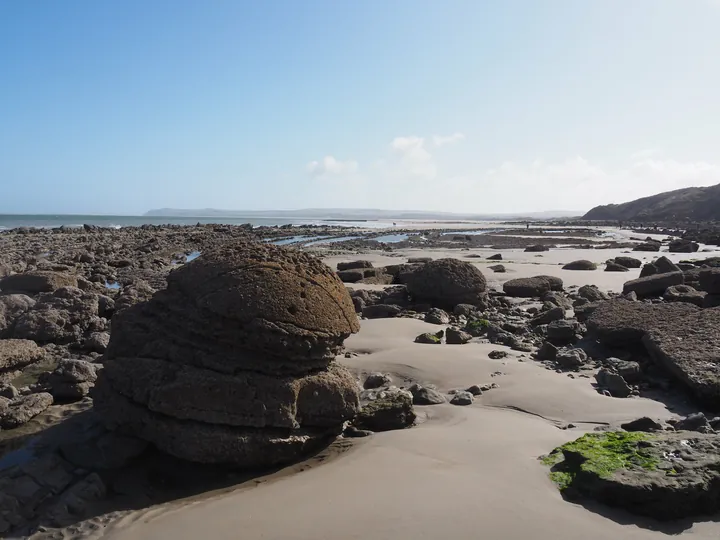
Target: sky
(117, 107)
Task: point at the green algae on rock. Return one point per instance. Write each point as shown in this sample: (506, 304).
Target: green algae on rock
(664, 475)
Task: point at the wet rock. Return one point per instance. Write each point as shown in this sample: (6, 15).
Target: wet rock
(532, 287)
(37, 282)
(233, 363)
(394, 410)
(423, 395)
(381, 311)
(684, 293)
(430, 338)
(447, 282)
(462, 398)
(653, 285)
(22, 409)
(613, 382)
(628, 262)
(437, 316)
(580, 265)
(642, 424)
(455, 336)
(377, 380)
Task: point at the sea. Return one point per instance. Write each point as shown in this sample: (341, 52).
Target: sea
(13, 221)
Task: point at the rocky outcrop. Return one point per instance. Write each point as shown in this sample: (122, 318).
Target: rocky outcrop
(446, 283)
(648, 246)
(11, 307)
(688, 347)
(653, 285)
(684, 293)
(682, 245)
(22, 409)
(532, 286)
(71, 380)
(234, 362)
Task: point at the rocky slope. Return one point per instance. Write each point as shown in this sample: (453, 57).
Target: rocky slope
(695, 204)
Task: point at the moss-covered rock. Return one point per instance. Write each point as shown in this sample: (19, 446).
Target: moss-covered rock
(668, 475)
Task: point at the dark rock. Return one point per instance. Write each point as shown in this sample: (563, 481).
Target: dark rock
(592, 293)
(419, 260)
(353, 265)
(557, 299)
(475, 390)
(377, 380)
(11, 307)
(392, 411)
(71, 380)
(665, 265)
(355, 433)
(351, 276)
(8, 391)
(37, 282)
(649, 269)
(447, 282)
(571, 358)
(497, 355)
(496, 257)
(464, 310)
(711, 301)
(688, 348)
(108, 450)
(653, 285)
(462, 398)
(97, 342)
(629, 370)
(437, 316)
(537, 248)
(628, 262)
(710, 280)
(642, 424)
(15, 354)
(381, 311)
(580, 265)
(454, 336)
(532, 287)
(684, 293)
(613, 382)
(561, 332)
(547, 351)
(498, 268)
(695, 422)
(683, 246)
(553, 314)
(648, 246)
(426, 396)
(612, 266)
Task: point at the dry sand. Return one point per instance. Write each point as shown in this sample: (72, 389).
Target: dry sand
(464, 472)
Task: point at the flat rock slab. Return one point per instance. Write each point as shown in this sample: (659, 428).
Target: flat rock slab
(23, 409)
(689, 347)
(18, 353)
(654, 285)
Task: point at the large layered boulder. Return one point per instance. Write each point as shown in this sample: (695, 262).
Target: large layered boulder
(532, 286)
(446, 283)
(37, 282)
(233, 363)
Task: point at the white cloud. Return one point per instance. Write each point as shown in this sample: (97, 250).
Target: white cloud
(413, 159)
(645, 153)
(439, 140)
(331, 166)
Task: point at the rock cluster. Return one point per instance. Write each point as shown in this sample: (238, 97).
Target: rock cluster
(234, 362)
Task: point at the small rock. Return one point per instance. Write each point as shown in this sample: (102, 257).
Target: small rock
(694, 422)
(547, 351)
(497, 355)
(642, 424)
(454, 336)
(475, 390)
(571, 358)
(377, 380)
(613, 382)
(437, 316)
(430, 338)
(426, 396)
(462, 398)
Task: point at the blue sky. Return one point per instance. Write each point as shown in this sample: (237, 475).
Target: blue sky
(487, 106)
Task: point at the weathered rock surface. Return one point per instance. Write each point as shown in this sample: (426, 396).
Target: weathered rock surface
(684, 293)
(15, 354)
(664, 475)
(437, 316)
(446, 283)
(592, 293)
(612, 266)
(613, 382)
(532, 287)
(710, 280)
(653, 285)
(393, 409)
(22, 409)
(455, 336)
(11, 307)
(352, 265)
(688, 347)
(71, 380)
(423, 395)
(233, 362)
(37, 282)
(628, 262)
